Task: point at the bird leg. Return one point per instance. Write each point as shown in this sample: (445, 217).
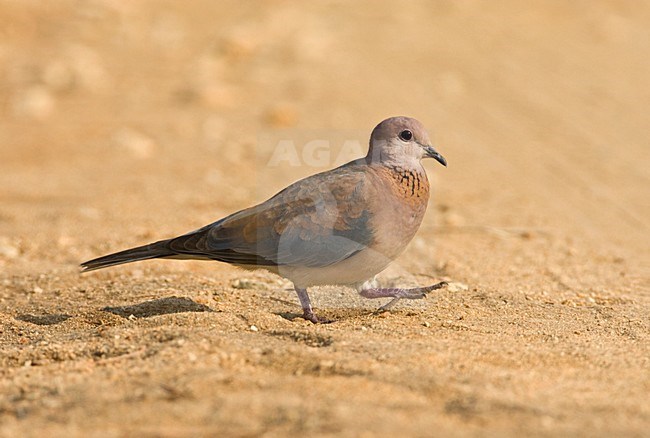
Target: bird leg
(307, 311)
(398, 293)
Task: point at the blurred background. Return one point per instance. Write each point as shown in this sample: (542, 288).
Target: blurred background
(110, 109)
(124, 122)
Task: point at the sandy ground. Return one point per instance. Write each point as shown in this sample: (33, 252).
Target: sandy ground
(126, 122)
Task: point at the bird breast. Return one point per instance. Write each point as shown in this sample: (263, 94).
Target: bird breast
(405, 195)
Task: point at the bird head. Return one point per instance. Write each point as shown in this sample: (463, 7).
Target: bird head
(401, 141)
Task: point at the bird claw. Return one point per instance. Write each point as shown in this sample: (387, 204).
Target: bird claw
(433, 287)
(311, 317)
(386, 307)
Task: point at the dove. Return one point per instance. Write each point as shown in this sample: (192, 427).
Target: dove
(338, 227)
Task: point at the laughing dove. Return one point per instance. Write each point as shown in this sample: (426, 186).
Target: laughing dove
(339, 227)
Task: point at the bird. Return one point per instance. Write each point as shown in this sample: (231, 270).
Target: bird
(341, 227)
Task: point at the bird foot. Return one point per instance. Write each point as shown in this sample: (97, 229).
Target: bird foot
(398, 293)
(310, 316)
(307, 311)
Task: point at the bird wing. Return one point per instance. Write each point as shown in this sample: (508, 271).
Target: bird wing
(315, 222)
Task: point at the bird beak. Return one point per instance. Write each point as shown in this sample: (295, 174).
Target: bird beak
(432, 153)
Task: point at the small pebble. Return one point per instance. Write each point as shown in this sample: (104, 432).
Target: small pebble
(244, 283)
(326, 364)
(8, 250)
(457, 287)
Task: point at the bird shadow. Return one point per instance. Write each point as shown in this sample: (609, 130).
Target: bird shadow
(332, 316)
(52, 319)
(162, 306)
(290, 316)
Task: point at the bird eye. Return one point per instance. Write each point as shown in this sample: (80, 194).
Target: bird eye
(405, 135)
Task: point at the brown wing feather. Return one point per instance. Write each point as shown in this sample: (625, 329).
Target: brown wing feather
(315, 222)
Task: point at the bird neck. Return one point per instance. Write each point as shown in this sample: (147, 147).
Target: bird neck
(409, 181)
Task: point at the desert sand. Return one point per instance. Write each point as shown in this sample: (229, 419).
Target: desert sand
(125, 122)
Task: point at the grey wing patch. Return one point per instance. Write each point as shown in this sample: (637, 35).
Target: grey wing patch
(296, 247)
(316, 222)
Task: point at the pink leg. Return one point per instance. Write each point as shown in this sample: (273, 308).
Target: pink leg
(307, 311)
(399, 293)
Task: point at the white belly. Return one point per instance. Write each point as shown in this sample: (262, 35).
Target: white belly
(352, 271)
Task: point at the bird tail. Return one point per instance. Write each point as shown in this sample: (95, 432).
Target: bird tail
(151, 251)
